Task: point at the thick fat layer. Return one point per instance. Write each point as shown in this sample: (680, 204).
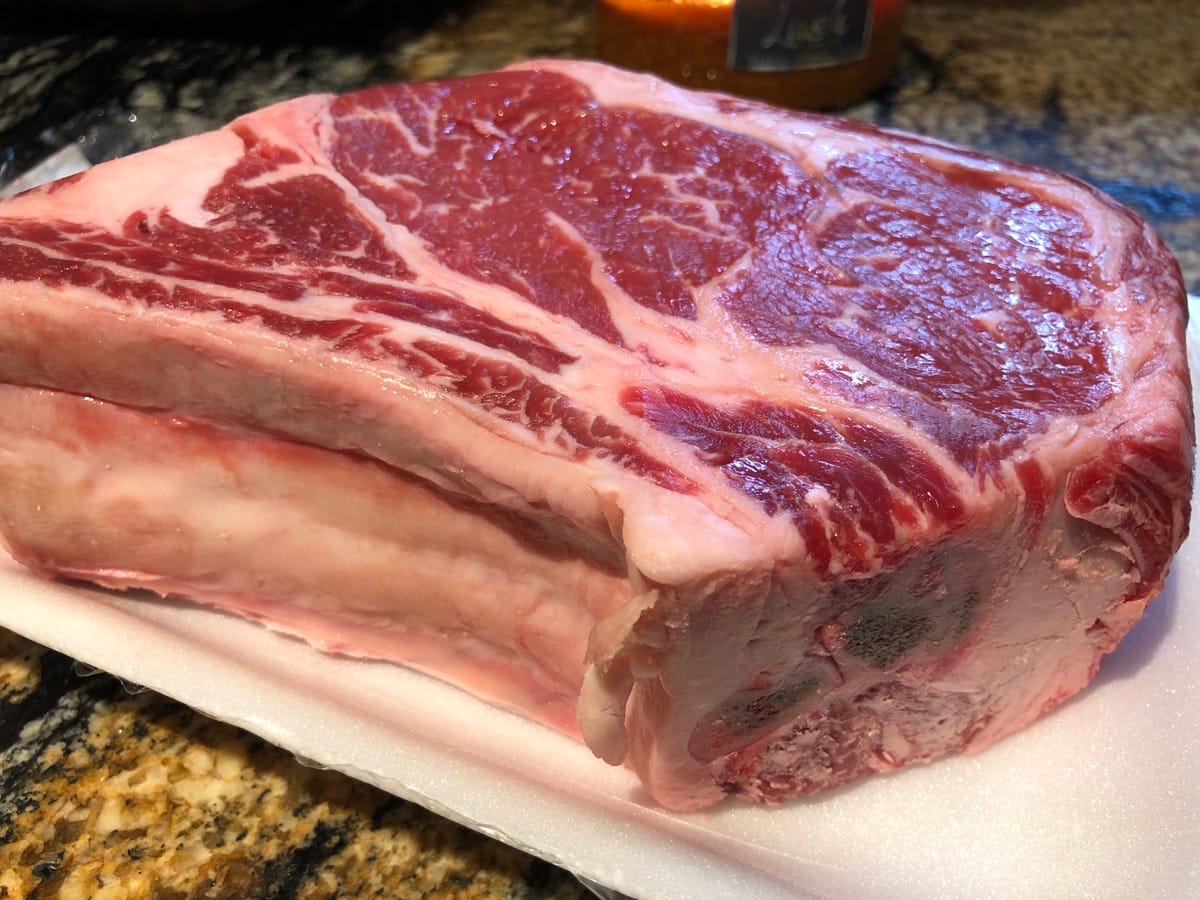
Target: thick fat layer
(339, 550)
(200, 366)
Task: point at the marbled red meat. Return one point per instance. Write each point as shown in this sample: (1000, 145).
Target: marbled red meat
(760, 450)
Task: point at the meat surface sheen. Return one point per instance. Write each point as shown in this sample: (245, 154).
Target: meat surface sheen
(760, 450)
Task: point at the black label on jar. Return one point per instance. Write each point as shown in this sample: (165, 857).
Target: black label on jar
(782, 35)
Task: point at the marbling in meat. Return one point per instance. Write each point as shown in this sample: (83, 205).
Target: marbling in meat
(759, 450)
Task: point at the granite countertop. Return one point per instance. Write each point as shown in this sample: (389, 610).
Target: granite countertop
(110, 792)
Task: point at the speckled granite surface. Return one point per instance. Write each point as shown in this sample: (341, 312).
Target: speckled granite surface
(107, 793)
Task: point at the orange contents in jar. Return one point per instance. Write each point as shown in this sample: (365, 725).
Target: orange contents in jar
(688, 42)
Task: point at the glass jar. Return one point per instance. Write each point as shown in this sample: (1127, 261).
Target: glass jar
(809, 54)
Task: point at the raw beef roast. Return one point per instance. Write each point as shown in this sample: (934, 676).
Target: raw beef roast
(759, 450)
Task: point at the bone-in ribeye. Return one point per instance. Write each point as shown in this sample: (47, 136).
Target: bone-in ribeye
(759, 450)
